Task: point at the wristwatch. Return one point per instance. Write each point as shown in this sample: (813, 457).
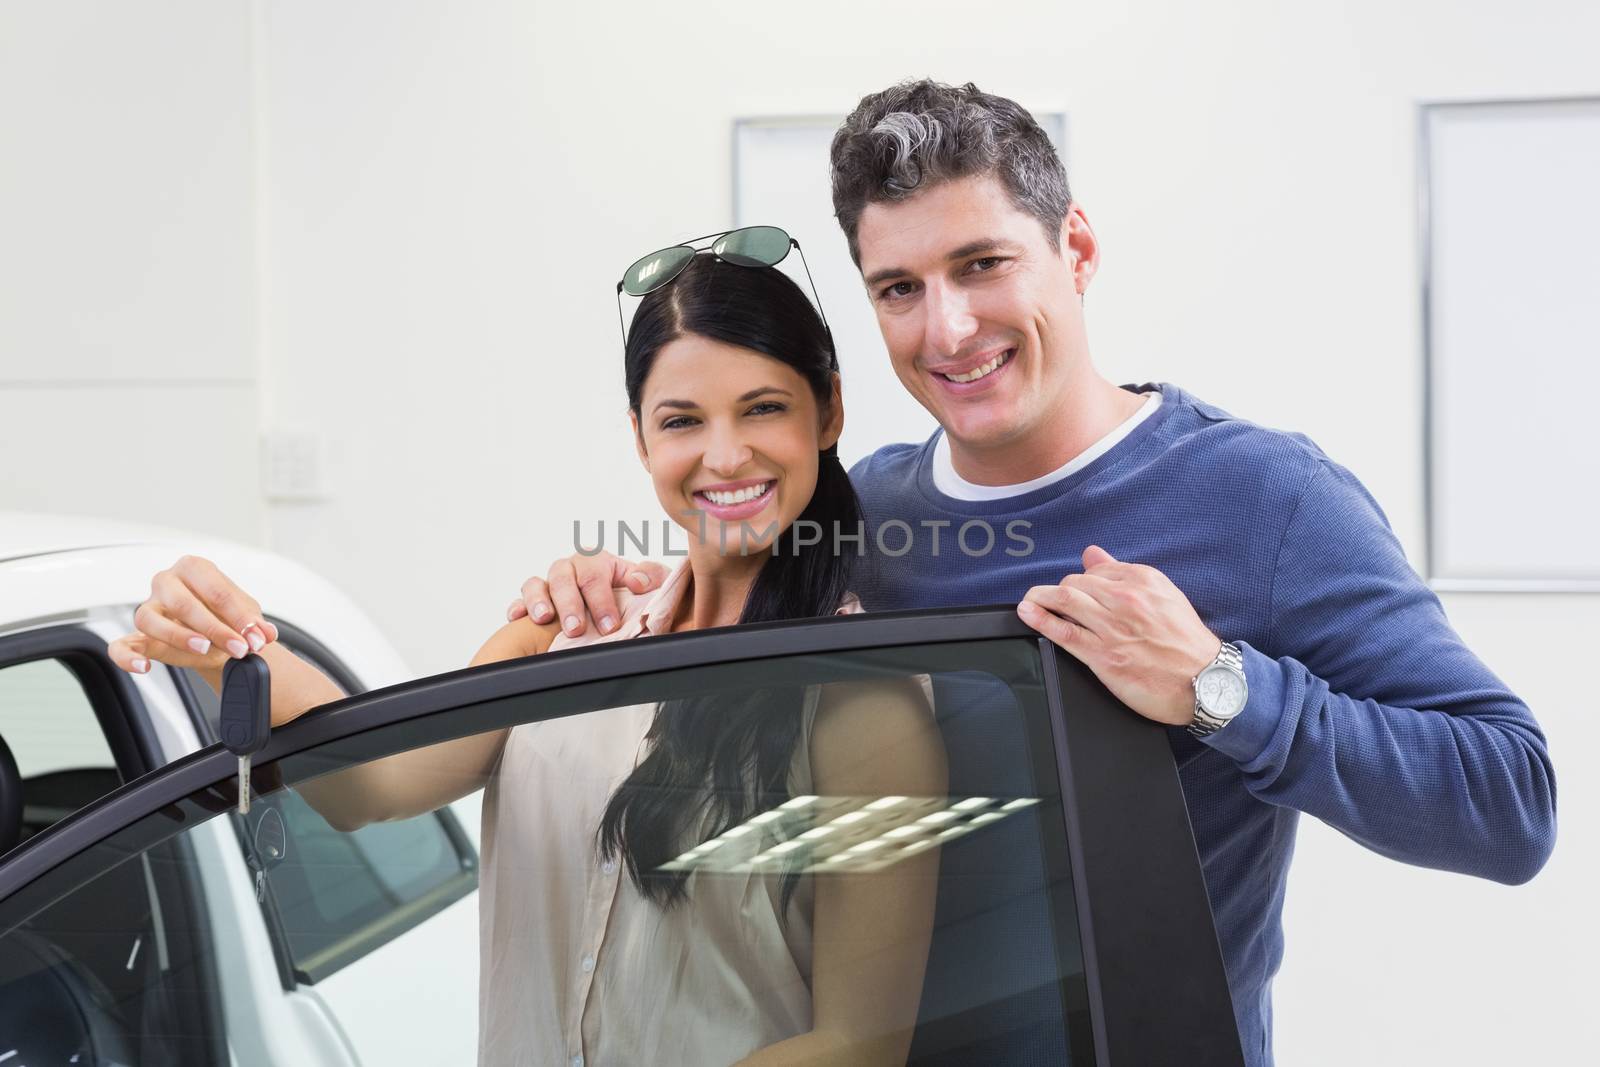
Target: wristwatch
(1220, 692)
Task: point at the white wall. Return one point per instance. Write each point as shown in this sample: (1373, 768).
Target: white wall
(449, 192)
(127, 263)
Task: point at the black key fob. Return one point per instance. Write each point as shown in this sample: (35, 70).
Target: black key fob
(246, 705)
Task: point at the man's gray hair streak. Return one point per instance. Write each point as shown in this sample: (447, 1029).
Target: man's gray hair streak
(919, 133)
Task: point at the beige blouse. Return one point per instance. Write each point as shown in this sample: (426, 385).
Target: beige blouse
(576, 967)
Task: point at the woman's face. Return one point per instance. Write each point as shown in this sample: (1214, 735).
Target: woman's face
(731, 440)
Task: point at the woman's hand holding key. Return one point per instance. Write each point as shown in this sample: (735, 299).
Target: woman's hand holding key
(195, 617)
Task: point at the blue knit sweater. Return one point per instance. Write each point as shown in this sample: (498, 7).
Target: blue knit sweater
(1366, 710)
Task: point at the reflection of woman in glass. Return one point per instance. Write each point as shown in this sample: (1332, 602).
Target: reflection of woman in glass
(589, 949)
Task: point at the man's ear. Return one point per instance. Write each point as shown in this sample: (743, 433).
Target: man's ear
(1079, 247)
(638, 440)
(833, 419)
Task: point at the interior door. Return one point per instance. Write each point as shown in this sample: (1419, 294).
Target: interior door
(922, 837)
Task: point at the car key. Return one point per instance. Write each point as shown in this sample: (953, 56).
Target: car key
(246, 715)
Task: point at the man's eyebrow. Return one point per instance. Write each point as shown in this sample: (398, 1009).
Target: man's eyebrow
(878, 277)
(971, 248)
(690, 405)
(982, 244)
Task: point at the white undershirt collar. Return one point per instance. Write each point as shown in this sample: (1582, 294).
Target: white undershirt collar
(951, 484)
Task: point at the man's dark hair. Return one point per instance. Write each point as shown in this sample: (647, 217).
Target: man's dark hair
(919, 133)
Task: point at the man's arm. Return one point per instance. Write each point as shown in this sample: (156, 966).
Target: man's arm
(1368, 711)
(1365, 708)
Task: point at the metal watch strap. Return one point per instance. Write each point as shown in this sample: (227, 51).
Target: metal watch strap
(1205, 724)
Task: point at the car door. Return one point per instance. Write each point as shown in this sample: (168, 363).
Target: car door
(1068, 917)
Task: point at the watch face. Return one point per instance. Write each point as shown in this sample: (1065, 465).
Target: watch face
(1221, 692)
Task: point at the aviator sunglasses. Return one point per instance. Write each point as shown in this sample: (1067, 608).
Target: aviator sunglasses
(748, 246)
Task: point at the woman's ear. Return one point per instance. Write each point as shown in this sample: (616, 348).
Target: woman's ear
(833, 417)
(638, 439)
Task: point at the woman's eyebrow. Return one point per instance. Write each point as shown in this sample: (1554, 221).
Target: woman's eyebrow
(690, 405)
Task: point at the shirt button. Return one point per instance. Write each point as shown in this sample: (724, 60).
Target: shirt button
(577, 1061)
(588, 964)
(609, 866)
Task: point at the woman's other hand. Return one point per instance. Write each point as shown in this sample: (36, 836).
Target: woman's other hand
(195, 617)
(583, 590)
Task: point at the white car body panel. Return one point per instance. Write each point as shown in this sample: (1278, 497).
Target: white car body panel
(40, 587)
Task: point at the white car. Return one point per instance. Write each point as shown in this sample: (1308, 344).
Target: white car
(354, 928)
(144, 920)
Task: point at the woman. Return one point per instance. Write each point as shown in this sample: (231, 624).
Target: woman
(735, 409)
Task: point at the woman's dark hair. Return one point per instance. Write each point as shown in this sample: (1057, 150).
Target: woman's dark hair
(716, 760)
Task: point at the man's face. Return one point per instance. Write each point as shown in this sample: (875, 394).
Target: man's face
(981, 314)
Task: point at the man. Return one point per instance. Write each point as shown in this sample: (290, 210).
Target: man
(1228, 581)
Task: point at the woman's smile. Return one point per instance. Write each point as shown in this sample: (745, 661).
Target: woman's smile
(733, 501)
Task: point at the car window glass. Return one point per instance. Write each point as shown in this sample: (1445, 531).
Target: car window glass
(883, 844)
(338, 894)
(51, 728)
(118, 972)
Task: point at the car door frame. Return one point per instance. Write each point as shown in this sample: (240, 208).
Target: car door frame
(1157, 988)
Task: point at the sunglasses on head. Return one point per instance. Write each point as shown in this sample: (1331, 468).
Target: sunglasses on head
(748, 246)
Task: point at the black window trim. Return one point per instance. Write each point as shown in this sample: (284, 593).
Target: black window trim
(122, 715)
(1157, 987)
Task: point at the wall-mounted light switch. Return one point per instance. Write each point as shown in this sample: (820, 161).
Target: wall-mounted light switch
(292, 466)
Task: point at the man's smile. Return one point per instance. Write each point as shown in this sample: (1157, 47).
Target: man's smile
(978, 375)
